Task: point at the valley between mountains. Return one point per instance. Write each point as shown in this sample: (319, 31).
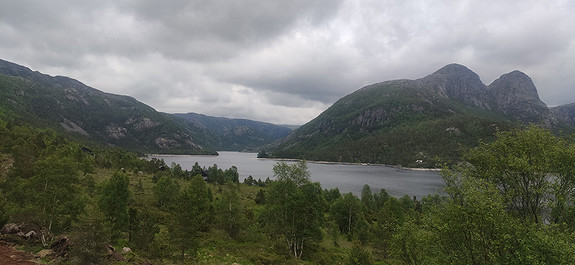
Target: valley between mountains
(412, 123)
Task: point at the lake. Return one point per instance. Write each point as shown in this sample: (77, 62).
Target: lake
(346, 177)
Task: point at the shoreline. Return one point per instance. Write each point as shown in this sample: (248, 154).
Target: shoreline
(310, 161)
(355, 164)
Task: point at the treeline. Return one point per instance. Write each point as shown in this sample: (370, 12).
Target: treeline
(511, 202)
(416, 144)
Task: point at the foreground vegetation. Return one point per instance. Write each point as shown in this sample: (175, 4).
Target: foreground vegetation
(510, 203)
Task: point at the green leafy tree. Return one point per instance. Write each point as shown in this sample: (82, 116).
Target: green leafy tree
(346, 212)
(215, 175)
(388, 220)
(473, 227)
(144, 227)
(51, 198)
(407, 204)
(177, 171)
(563, 165)
(232, 175)
(250, 181)
(196, 170)
(90, 236)
(295, 207)
(413, 244)
(358, 255)
(380, 199)
(113, 202)
(165, 191)
(229, 210)
(260, 197)
(331, 195)
(297, 172)
(519, 164)
(367, 197)
(190, 214)
(25, 155)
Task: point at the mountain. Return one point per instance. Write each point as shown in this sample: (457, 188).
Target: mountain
(516, 96)
(418, 122)
(81, 111)
(235, 134)
(565, 113)
(457, 82)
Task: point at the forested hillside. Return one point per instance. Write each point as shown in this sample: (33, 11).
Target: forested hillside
(421, 122)
(234, 134)
(87, 114)
(75, 204)
(67, 105)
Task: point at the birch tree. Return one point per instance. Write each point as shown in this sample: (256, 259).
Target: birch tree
(114, 203)
(295, 207)
(51, 198)
(229, 209)
(533, 170)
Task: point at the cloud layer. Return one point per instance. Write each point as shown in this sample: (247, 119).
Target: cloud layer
(284, 61)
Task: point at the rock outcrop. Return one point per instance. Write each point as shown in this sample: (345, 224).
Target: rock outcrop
(565, 113)
(516, 96)
(457, 82)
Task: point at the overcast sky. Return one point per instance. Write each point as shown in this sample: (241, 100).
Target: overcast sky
(284, 61)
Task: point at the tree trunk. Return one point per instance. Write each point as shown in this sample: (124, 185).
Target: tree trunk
(349, 221)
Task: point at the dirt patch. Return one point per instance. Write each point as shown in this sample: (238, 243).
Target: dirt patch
(10, 255)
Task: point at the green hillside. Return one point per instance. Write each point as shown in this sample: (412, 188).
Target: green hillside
(396, 122)
(86, 113)
(234, 134)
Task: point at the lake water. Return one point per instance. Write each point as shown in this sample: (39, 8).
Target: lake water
(347, 178)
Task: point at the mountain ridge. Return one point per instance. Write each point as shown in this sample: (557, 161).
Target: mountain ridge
(68, 105)
(399, 122)
(236, 134)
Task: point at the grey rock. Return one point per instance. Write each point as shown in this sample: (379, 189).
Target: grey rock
(516, 96)
(455, 81)
(10, 228)
(565, 113)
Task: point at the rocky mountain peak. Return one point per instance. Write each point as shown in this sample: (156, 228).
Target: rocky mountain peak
(455, 81)
(516, 95)
(514, 87)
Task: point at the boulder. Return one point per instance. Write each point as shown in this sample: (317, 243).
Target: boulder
(10, 229)
(30, 235)
(45, 253)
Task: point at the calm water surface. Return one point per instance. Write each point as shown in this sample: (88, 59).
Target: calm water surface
(348, 178)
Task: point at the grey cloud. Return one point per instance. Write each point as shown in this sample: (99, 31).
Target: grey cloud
(284, 61)
(215, 30)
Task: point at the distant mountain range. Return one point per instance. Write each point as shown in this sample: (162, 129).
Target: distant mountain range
(422, 122)
(413, 123)
(235, 134)
(32, 98)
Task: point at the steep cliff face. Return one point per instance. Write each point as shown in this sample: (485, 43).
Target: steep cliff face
(457, 82)
(516, 96)
(565, 113)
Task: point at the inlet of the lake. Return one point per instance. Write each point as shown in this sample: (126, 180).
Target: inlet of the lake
(346, 177)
